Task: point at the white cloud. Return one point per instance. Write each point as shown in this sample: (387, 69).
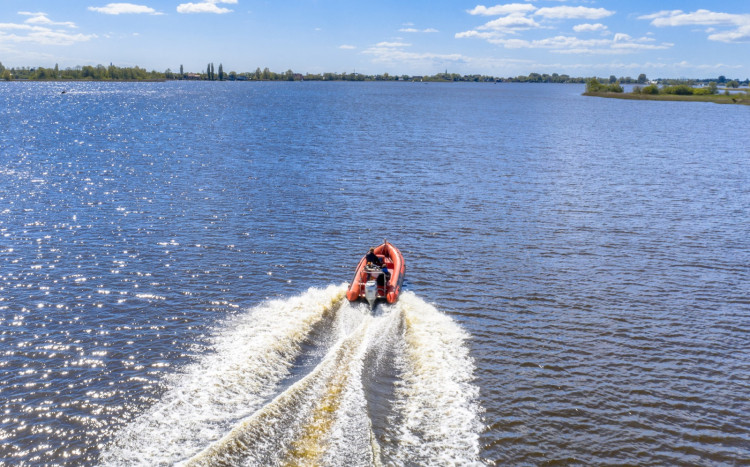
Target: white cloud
(476, 34)
(516, 17)
(660, 14)
(513, 43)
(426, 59)
(620, 44)
(394, 53)
(347, 47)
(675, 68)
(41, 18)
(566, 43)
(573, 12)
(25, 27)
(497, 10)
(392, 44)
(699, 17)
(37, 30)
(738, 24)
(741, 34)
(206, 6)
(510, 23)
(45, 36)
(557, 12)
(627, 47)
(621, 37)
(124, 8)
(415, 30)
(201, 8)
(588, 27)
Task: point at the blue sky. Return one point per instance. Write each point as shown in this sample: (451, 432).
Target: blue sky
(670, 39)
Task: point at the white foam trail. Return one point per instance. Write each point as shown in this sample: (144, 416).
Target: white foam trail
(317, 420)
(250, 358)
(351, 440)
(227, 408)
(437, 421)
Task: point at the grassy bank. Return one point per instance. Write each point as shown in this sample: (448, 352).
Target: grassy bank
(743, 99)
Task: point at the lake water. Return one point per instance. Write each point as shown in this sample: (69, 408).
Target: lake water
(173, 259)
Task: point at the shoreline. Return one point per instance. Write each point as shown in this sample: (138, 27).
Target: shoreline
(156, 80)
(741, 99)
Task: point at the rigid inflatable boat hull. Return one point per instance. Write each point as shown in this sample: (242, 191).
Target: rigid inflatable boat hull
(390, 290)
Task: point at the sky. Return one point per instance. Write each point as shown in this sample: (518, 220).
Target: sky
(663, 39)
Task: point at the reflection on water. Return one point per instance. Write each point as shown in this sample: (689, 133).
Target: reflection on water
(577, 272)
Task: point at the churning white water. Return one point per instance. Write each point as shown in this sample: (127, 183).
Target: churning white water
(316, 380)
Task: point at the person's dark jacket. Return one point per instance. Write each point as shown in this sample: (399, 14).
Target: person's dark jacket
(373, 258)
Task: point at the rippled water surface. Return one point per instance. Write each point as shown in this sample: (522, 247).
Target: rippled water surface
(172, 260)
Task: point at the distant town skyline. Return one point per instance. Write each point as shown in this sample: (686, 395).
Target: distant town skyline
(672, 39)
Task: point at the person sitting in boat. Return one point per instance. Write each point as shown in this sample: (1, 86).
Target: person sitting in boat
(372, 258)
(374, 262)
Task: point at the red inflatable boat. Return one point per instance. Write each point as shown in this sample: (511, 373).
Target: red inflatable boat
(373, 281)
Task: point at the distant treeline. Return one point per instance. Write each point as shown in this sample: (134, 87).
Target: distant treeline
(93, 73)
(115, 73)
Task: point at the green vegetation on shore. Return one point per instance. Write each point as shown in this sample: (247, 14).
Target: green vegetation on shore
(594, 86)
(88, 73)
(684, 91)
(114, 73)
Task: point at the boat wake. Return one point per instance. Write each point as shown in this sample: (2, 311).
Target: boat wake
(315, 380)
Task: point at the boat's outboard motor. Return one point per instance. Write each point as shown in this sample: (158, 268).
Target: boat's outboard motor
(371, 292)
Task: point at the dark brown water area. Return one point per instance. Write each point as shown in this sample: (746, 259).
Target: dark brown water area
(577, 293)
